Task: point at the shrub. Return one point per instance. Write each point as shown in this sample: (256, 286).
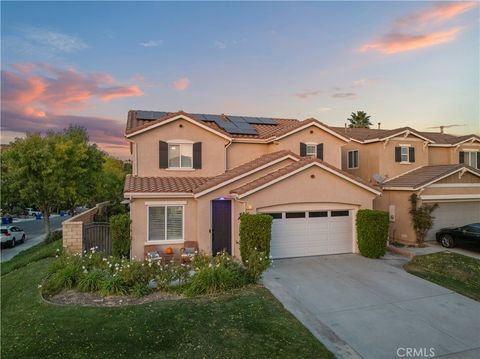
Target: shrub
(65, 274)
(255, 236)
(169, 273)
(372, 232)
(120, 231)
(113, 285)
(140, 290)
(91, 281)
(422, 218)
(54, 236)
(214, 278)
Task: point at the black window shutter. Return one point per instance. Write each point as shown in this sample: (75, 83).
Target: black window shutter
(163, 154)
(303, 149)
(197, 155)
(398, 154)
(411, 154)
(320, 151)
(478, 160)
(461, 158)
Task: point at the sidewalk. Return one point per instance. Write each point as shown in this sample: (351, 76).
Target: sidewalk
(19, 220)
(12, 252)
(431, 247)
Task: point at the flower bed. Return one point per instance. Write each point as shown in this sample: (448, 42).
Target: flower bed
(109, 276)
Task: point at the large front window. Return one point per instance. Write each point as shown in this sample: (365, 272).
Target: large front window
(180, 155)
(165, 223)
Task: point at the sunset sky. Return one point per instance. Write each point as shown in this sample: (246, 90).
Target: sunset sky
(404, 63)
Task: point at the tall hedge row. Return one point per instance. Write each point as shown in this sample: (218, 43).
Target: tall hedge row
(120, 232)
(372, 232)
(255, 232)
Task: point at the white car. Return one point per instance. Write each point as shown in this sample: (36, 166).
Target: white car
(32, 212)
(12, 235)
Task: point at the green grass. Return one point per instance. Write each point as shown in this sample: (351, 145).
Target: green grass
(450, 270)
(33, 254)
(244, 323)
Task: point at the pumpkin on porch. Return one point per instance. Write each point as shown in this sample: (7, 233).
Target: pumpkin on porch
(169, 250)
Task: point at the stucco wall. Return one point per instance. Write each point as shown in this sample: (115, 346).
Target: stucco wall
(147, 149)
(331, 144)
(368, 157)
(239, 153)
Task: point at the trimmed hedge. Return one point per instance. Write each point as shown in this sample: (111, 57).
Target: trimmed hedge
(255, 236)
(120, 231)
(372, 232)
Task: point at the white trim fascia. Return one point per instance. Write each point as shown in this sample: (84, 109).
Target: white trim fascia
(379, 139)
(253, 140)
(454, 185)
(316, 125)
(304, 168)
(178, 117)
(164, 242)
(158, 194)
(220, 185)
(449, 196)
(393, 188)
(162, 203)
(473, 139)
(180, 142)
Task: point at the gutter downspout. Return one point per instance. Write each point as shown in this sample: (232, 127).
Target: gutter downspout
(226, 147)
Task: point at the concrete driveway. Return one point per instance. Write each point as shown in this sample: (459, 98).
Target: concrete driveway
(360, 307)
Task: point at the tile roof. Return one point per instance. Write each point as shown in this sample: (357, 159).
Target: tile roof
(243, 169)
(424, 175)
(197, 184)
(366, 134)
(162, 184)
(289, 169)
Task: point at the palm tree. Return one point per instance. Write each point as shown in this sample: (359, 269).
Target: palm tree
(360, 119)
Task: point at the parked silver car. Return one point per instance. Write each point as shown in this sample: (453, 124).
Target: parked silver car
(11, 235)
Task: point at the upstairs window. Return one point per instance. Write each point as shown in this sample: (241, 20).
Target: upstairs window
(353, 159)
(405, 154)
(311, 150)
(470, 158)
(180, 155)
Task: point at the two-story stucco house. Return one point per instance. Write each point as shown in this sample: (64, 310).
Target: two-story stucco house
(193, 174)
(438, 167)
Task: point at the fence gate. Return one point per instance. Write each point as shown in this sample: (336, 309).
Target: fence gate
(97, 235)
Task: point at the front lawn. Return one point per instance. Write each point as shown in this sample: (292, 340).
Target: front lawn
(450, 270)
(247, 322)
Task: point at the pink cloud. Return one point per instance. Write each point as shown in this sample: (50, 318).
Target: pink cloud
(437, 13)
(408, 33)
(181, 84)
(41, 88)
(395, 43)
(306, 94)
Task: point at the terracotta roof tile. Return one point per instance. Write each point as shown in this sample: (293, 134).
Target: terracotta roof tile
(244, 168)
(423, 175)
(162, 184)
(291, 168)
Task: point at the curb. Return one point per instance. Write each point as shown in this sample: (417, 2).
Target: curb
(400, 251)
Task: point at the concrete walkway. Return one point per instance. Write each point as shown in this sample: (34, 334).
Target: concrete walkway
(12, 252)
(360, 307)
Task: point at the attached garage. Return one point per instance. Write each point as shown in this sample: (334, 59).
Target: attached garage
(454, 214)
(310, 233)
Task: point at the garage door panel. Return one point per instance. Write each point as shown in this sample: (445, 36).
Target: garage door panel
(296, 237)
(454, 214)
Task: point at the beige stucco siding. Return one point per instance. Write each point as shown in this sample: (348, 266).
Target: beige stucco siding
(239, 153)
(387, 165)
(450, 155)
(368, 156)
(331, 144)
(147, 149)
(139, 226)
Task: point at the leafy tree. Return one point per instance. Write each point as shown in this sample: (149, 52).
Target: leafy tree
(110, 181)
(360, 119)
(421, 217)
(50, 171)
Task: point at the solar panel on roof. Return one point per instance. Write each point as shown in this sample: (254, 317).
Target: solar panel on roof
(243, 131)
(150, 115)
(236, 119)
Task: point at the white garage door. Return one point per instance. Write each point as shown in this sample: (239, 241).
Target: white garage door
(451, 214)
(310, 233)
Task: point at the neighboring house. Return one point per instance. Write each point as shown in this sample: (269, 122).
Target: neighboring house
(193, 174)
(439, 167)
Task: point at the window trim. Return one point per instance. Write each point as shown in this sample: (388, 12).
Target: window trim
(314, 151)
(166, 240)
(407, 148)
(180, 144)
(358, 160)
(471, 153)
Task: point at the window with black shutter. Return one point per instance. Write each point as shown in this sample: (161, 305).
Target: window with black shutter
(320, 151)
(398, 154)
(303, 149)
(411, 154)
(197, 155)
(163, 154)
